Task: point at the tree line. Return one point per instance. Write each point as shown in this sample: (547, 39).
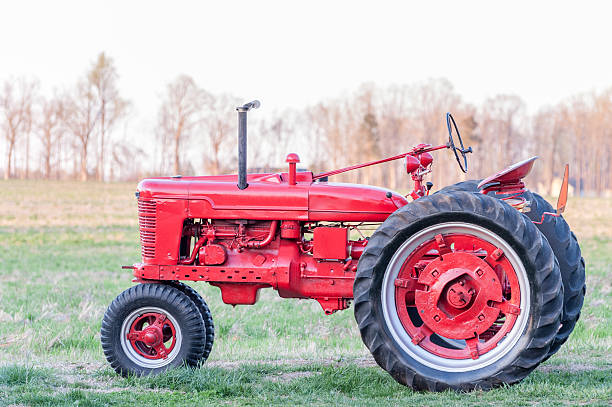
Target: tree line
(70, 128)
(77, 133)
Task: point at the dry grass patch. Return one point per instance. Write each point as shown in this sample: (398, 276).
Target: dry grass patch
(589, 217)
(67, 203)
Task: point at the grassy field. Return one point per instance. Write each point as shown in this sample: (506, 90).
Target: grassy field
(61, 250)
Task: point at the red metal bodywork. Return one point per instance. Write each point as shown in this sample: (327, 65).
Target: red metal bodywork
(293, 231)
(509, 179)
(254, 238)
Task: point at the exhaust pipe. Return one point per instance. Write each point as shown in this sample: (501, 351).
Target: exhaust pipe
(242, 141)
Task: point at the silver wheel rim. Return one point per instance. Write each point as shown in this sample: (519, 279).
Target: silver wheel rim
(137, 358)
(396, 328)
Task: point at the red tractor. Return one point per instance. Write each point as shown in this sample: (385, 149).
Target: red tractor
(470, 287)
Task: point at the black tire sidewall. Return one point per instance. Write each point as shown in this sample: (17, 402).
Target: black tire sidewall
(203, 308)
(181, 309)
(566, 249)
(487, 372)
(519, 233)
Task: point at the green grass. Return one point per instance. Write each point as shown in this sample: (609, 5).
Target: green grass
(61, 248)
(314, 384)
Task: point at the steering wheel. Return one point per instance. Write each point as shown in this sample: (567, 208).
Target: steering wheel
(451, 143)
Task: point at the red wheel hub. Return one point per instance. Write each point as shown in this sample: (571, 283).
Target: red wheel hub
(471, 282)
(458, 295)
(152, 335)
(458, 287)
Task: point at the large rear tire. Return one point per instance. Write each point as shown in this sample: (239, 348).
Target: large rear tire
(567, 251)
(458, 291)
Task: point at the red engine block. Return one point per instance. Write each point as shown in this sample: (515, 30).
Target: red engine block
(241, 257)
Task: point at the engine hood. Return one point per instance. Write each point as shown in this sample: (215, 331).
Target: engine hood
(269, 196)
(351, 202)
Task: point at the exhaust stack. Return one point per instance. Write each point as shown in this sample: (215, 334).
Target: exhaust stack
(242, 141)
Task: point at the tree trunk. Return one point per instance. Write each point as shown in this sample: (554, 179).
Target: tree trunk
(27, 157)
(102, 132)
(48, 164)
(551, 166)
(176, 154)
(75, 161)
(7, 174)
(177, 139)
(84, 163)
(58, 167)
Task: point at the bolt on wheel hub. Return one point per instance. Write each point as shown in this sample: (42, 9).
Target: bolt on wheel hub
(454, 310)
(457, 295)
(152, 335)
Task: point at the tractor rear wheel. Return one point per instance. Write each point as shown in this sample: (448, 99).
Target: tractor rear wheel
(150, 328)
(460, 291)
(567, 251)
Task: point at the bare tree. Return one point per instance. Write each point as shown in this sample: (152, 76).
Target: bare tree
(16, 112)
(501, 119)
(50, 130)
(74, 133)
(332, 126)
(394, 128)
(180, 115)
(366, 134)
(275, 137)
(219, 126)
(123, 166)
(82, 114)
(600, 140)
(429, 103)
(103, 79)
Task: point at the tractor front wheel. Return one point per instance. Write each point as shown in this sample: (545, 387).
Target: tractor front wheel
(458, 291)
(150, 328)
(209, 325)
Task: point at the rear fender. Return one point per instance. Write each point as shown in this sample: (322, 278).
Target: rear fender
(508, 180)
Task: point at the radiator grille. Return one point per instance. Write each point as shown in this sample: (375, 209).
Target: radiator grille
(147, 219)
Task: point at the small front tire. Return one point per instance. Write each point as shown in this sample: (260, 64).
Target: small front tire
(150, 328)
(209, 325)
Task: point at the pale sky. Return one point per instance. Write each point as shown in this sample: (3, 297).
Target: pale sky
(291, 54)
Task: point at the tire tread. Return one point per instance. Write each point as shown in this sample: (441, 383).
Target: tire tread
(543, 330)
